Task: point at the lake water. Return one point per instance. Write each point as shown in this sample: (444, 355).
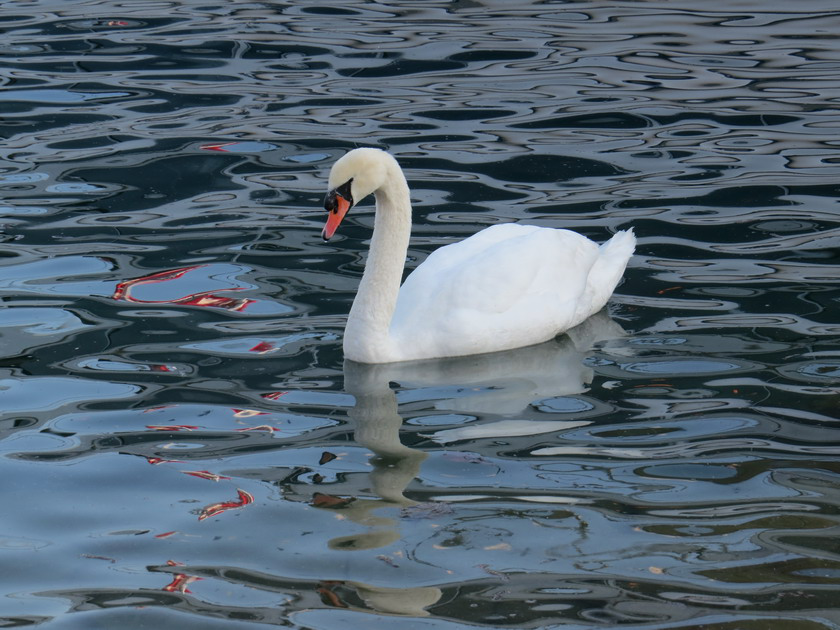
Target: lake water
(182, 445)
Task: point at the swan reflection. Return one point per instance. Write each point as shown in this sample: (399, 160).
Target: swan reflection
(503, 383)
(499, 383)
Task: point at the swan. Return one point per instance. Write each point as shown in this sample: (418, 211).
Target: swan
(507, 286)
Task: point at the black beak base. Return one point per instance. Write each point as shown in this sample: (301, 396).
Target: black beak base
(330, 202)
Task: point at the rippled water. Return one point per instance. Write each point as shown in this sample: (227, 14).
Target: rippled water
(182, 445)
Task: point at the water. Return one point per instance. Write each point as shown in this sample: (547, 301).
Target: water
(182, 445)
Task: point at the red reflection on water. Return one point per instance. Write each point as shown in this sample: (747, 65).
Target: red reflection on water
(237, 413)
(204, 474)
(216, 301)
(154, 461)
(217, 147)
(123, 288)
(273, 395)
(260, 427)
(241, 146)
(200, 298)
(248, 413)
(181, 580)
(217, 508)
(262, 347)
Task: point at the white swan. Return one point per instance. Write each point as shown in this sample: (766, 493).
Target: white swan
(505, 287)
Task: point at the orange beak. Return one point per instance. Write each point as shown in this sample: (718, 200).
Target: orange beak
(337, 212)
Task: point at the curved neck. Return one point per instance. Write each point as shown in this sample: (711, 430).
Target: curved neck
(367, 335)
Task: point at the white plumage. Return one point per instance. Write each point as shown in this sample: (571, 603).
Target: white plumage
(505, 287)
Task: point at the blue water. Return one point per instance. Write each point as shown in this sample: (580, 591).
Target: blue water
(182, 443)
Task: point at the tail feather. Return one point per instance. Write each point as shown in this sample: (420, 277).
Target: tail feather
(608, 269)
(620, 246)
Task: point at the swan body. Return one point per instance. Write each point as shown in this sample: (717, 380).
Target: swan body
(505, 287)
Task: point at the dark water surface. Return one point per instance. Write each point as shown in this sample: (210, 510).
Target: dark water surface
(182, 445)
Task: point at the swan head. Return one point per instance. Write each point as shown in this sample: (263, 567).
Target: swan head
(353, 177)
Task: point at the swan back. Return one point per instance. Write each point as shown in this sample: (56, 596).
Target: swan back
(505, 287)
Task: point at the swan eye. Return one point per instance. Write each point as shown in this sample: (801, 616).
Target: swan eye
(343, 191)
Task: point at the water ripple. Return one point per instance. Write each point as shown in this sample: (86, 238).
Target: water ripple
(182, 433)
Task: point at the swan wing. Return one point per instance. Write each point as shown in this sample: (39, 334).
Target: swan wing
(506, 286)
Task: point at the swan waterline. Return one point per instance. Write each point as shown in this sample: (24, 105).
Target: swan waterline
(507, 286)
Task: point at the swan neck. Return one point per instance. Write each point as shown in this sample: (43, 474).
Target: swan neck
(367, 336)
